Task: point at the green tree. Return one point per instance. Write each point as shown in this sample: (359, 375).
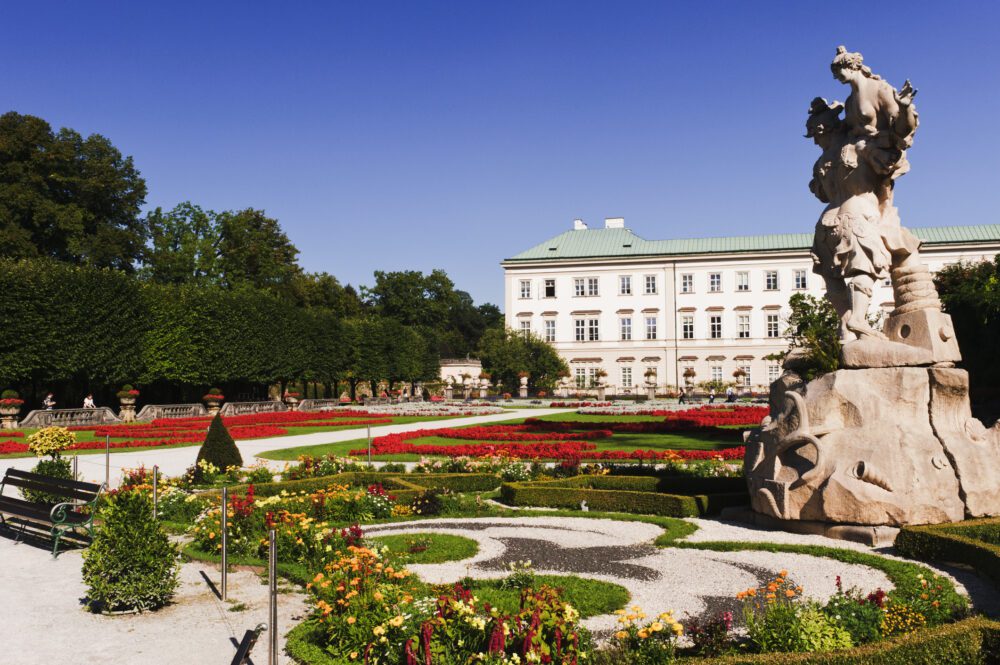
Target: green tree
(813, 334)
(254, 250)
(324, 290)
(971, 295)
(183, 246)
(219, 448)
(67, 197)
(505, 352)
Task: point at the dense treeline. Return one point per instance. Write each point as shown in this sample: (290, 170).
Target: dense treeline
(95, 294)
(78, 329)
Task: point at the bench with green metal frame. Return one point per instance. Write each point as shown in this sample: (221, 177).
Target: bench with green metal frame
(74, 514)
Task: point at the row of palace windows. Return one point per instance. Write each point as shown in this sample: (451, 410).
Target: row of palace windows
(591, 286)
(589, 329)
(586, 377)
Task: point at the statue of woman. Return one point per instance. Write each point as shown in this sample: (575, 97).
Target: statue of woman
(858, 236)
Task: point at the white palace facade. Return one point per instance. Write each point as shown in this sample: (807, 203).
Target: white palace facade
(609, 300)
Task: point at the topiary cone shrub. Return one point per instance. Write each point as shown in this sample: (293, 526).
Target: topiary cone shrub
(219, 448)
(131, 564)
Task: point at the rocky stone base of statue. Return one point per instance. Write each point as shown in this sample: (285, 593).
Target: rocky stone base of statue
(883, 446)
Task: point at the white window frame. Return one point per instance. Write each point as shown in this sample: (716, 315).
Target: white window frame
(768, 275)
(746, 377)
(687, 326)
(687, 283)
(580, 330)
(715, 326)
(801, 279)
(545, 286)
(743, 326)
(625, 328)
(593, 286)
(716, 372)
(650, 327)
(743, 281)
(579, 287)
(624, 285)
(715, 282)
(580, 377)
(773, 372)
(550, 330)
(626, 373)
(593, 330)
(773, 326)
(525, 289)
(525, 327)
(650, 285)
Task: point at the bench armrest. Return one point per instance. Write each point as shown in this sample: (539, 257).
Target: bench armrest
(60, 510)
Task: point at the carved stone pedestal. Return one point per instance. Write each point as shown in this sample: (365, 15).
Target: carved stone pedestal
(882, 446)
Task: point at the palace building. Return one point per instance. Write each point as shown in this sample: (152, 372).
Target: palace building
(610, 300)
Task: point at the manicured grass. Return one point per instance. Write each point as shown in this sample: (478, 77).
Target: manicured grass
(708, 440)
(589, 597)
(441, 547)
(84, 436)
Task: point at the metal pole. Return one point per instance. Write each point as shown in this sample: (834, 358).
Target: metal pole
(272, 582)
(76, 467)
(156, 472)
(225, 539)
(369, 445)
(107, 461)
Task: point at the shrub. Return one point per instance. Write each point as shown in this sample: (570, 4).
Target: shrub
(860, 615)
(131, 564)
(975, 543)
(50, 441)
(219, 448)
(54, 468)
(127, 391)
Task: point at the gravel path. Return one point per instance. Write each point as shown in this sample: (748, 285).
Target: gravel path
(688, 582)
(174, 461)
(44, 621)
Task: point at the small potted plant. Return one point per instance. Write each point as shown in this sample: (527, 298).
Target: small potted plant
(10, 407)
(213, 399)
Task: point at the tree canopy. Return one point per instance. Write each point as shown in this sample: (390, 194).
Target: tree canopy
(970, 293)
(67, 197)
(505, 353)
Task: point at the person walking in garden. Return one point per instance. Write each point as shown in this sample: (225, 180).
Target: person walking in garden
(711, 395)
(682, 398)
(88, 402)
(730, 394)
(49, 402)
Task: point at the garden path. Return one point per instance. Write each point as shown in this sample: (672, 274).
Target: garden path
(45, 622)
(174, 461)
(687, 582)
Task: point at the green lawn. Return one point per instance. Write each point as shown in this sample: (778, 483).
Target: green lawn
(441, 547)
(83, 436)
(705, 441)
(589, 597)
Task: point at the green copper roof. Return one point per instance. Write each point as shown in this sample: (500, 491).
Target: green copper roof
(620, 242)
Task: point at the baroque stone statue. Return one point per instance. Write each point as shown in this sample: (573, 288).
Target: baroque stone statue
(889, 439)
(859, 239)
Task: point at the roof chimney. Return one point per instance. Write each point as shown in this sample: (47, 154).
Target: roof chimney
(578, 225)
(614, 222)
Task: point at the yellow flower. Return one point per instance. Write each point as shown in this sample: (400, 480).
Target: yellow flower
(396, 621)
(351, 620)
(643, 633)
(621, 634)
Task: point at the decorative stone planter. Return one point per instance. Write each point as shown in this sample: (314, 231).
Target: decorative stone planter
(601, 392)
(127, 410)
(651, 391)
(8, 416)
(213, 407)
(484, 388)
(449, 391)
(292, 402)
(522, 390)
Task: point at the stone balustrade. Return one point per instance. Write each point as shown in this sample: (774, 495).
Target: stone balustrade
(244, 408)
(66, 417)
(151, 412)
(318, 404)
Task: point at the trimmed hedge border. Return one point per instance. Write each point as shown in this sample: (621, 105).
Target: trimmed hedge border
(629, 494)
(456, 482)
(974, 641)
(960, 542)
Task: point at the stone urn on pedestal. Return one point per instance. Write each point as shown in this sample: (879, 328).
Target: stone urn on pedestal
(600, 382)
(10, 407)
(484, 385)
(467, 388)
(292, 400)
(449, 389)
(564, 386)
(522, 390)
(126, 399)
(213, 401)
(650, 384)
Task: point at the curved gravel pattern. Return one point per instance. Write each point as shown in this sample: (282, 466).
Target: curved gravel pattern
(686, 581)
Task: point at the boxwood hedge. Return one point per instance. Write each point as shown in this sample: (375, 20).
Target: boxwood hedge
(631, 494)
(975, 543)
(456, 482)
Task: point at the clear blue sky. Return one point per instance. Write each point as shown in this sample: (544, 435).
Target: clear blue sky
(416, 135)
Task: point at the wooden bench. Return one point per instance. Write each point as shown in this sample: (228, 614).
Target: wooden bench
(74, 514)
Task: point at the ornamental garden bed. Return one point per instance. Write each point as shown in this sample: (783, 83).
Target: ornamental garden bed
(669, 496)
(974, 543)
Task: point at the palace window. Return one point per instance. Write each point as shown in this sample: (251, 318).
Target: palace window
(743, 281)
(550, 288)
(525, 288)
(687, 327)
(687, 283)
(773, 372)
(624, 285)
(772, 325)
(626, 377)
(650, 327)
(550, 330)
(650, 285)
(593, 331)
(715, 282)
(579, 286)
(526, 327)
(626, 328)
(715, 326)
(771, 280)
(800, 279)
(592, 286)
(743, 326)
(716, 372)
(580, 327)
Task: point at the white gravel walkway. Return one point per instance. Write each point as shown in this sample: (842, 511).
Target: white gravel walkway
(174, 461)
(685, 581)
(44, 621)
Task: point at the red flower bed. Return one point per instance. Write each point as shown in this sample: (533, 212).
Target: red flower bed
(394, 444)
(706, 416)
(502, 433)
(8, 447)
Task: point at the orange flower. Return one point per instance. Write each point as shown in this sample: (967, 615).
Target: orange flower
(789, 593)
